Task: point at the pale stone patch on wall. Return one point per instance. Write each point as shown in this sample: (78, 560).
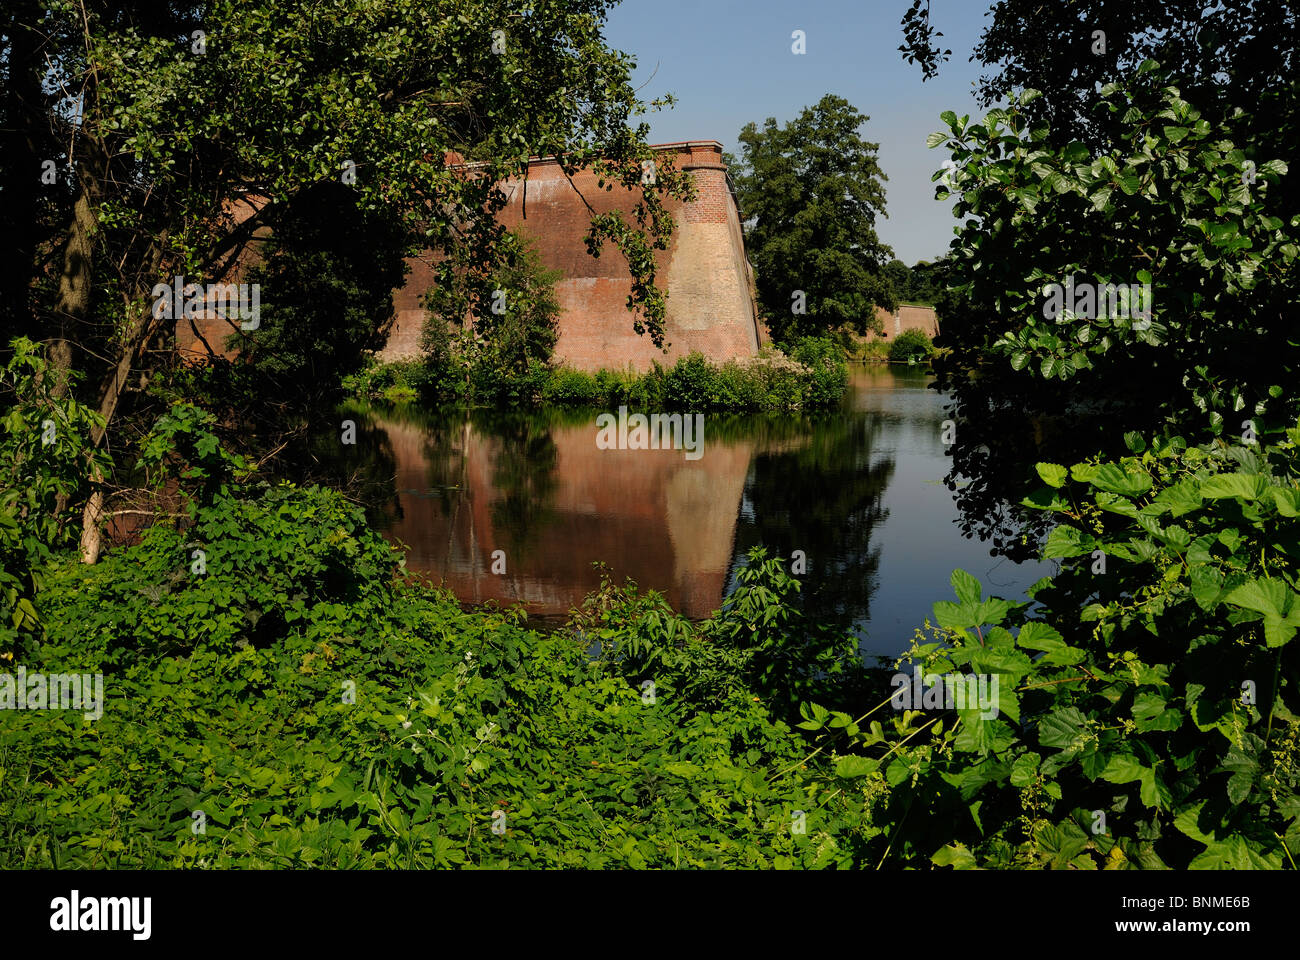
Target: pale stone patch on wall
(704, 271)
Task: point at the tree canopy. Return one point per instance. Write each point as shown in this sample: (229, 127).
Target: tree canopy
(810, 192)
(1153, 149)
(139, 135)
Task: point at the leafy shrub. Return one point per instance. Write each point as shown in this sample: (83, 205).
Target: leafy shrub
(829, 377)
(1170, 198)
(770, 381)
(868, 349)
(246, 566)
(691, 383)
(502, 353)
(45, 456)
(327, 272)
(758, 643)
(1147, 704)
(390, 382)
(910, 345)
(375, 724)
(183, 445)
(569, 387)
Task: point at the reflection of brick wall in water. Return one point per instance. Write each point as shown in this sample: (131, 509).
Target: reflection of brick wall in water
(651, 515)
(704, 271)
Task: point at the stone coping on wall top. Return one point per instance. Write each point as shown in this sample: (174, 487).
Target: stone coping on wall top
(676, 145)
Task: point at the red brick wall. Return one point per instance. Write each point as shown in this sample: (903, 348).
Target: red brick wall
(190, 334)
(704, 271)
(908, 317)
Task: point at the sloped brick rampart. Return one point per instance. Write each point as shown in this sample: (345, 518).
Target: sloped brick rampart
(704, 271)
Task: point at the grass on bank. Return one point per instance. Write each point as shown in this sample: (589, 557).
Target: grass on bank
(811, 376)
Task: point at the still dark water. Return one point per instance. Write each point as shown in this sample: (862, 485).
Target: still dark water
(859, 491)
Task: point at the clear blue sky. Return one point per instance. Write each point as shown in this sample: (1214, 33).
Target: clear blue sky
(729, 62)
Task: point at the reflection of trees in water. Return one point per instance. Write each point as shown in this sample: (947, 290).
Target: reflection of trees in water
(524, 459)
(824, 497)
(523, 462)
(365, 472)
(1006, 424)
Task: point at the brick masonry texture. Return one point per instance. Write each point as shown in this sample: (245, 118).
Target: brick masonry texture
(704, 272)
(908, 317)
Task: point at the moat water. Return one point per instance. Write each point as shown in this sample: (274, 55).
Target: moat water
(516, 507)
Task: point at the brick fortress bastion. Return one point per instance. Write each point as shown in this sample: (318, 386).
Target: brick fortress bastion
(710, 306)
(705, 273)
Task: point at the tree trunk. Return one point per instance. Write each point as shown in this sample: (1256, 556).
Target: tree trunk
(73, 306)
(91, 535)
(140, 328)
(74, 284)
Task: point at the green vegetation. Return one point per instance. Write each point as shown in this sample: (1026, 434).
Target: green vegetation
(910, 346)
(923, 283)
(1167, 204)
(319, 708)
(280, 693)
(392, 382)
(1149, 688)
(319, 712)
(44, 435)
(494, 343)
(866, 348)
(327, 274)
(1152, 686)
(812, 376)
(810, 193)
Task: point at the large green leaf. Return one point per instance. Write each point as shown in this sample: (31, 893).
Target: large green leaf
(966, 587)
(854, 766)
(1246, 486)
(1037, 635)
(957, 857)
(1275, 601)
(1062, 728)
(1113, 478)
(1052, 474)
(1065, 541)
(1123, 768)
(1287, 500)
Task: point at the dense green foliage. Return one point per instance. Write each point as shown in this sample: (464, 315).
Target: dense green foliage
(911, 345)
(43, 438)
(1175, 171)
(810, 193)
(1225, 56)
(327, 275)
(231, 692)
(493, 343)
(1146, 701)
(924, 282)
(228, 693)
(1175, 204)
(391, 382)
(812, 376)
